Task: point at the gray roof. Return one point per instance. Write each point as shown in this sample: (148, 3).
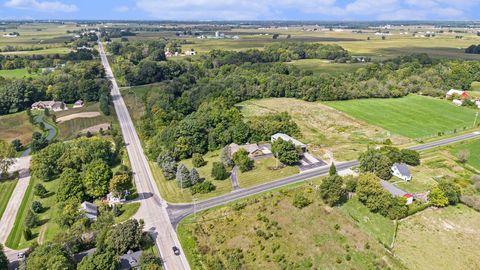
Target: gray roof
(130, 260)
(394, 190)
(286, 137)
(89, 208)
(402, 168)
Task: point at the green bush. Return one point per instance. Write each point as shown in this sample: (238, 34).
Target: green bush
(300, 201)
(198, 161)
(219, 172)
(204, 187)
(37, 207)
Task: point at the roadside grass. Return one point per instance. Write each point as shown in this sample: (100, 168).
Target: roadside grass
(7, 188)
(16, 73)
(265, 170)
(16, 126)
(128, 211)
(412, 116)
(377, 226)
(173, 194)
(473, 149)
(269, 232)
(327, 131)
(47, 228)
(319, 66)
(441, 238)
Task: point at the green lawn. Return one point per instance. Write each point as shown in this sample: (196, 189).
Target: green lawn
(7, 188)
(412, 116)
(473, 147)
(128, 210)
(264, 171)
(475, 86)
(16, 73)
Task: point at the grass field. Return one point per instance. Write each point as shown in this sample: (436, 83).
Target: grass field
(475, 86)
(440, 239)
(16, 73)
(473, 148)
(47, 228)
(412, 116)
(318, 66)
(264, 171)
(57, 50)
(128, 210)
(7, 188)
(16, 126)
(326, 130)
(267, 232)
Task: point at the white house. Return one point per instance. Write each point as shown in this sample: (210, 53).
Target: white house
(190, 53)
(460, 93)
(55, 106)
(401, 171)
(457, 102)
(78, 104)
(90, 210)
(285, 137)
(112, 200)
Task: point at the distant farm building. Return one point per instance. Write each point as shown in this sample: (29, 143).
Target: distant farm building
(457, 93)
(401, 171)
(51, 105)
(78, 104)
(253, 149)
(286, 137)
(396, 191)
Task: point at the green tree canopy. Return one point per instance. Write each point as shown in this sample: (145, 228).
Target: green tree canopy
(332, 191)
(96, 176)
(285, 151)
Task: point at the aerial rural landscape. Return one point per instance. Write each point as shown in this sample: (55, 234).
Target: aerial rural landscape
(143, 135)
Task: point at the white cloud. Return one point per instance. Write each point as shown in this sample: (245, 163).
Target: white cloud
(45, 6)
(121, 9)
(282, 9)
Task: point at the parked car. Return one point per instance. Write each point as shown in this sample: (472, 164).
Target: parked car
(176, 251)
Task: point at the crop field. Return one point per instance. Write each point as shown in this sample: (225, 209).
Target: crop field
(268, 232)
(326, 130)
(318, 66)
(412, 116)
(441, 238)
(7, 188)
(16, 126)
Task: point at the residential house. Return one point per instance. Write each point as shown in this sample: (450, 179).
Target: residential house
(90, 210)
(286, 137)
(131, 260)
(457, 102)
(253, 149)
(401, 171)
(51, 105)
(396, 191)
(112, 200)
(78, 104)
(460, 93)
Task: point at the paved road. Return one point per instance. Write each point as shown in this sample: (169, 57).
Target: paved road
(8, 219)
(153, 208)
(178, 212)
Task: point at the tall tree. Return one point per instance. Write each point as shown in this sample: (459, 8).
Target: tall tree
(242, 160)
(183, 177)
(332, 191)
(96, 176)
(50, 256)
(6, 154)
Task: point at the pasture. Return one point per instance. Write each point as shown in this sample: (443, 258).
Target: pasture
(267, 232)
(327, 131)
(441, 238)
(412, 116)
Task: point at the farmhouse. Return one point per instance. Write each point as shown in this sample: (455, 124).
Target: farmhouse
(285, 137)
(460, 93)
(401, 171)
(396, 191)
(90, 210)
(253, 149)
(168, 54)
(51, 105)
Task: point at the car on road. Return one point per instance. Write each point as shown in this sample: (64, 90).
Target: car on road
(176, 251)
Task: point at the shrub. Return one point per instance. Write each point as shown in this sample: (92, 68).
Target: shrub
(40, 191)
(219, 172)
(27, 234)
(198, 161)
(451, 191)
(204, 187)
(411, 157)
(37, 207)
(463, 156)
(300, 201)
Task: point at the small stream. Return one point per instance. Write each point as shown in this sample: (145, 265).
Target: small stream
(51, 132)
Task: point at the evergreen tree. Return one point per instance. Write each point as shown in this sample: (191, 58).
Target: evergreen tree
(332, 170)
(194, 176)
(183, 177)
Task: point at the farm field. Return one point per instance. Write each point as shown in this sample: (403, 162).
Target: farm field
(7, 188)
(59, 50)
(326, 130)
(268, 232)
(264, 171)
(412, 116)
(440, 239)
(16, 126)
(319, 66)
(16, 73)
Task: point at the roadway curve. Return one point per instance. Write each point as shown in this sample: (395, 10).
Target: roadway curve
(153, 207)
(178, 212)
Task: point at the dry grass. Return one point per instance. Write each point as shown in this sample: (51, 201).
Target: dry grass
(322, 127)
(16, 126)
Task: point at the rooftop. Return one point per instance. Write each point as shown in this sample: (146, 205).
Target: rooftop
(286, 137)
(402, 168)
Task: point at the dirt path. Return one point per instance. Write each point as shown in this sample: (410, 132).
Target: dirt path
(78, 115)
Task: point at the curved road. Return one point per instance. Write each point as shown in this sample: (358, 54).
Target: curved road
(177, 212)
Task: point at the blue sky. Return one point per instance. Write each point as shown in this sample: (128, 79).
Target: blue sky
(242, 9)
